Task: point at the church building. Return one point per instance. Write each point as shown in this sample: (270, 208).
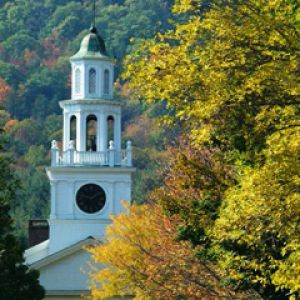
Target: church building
(90, 175)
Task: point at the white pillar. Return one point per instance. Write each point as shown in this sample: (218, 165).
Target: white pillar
(103, 132)
(82, 132)
(54, 154)
(117, 132)
(77, 131)
(111, 81)
(66, 131)
(53, 200)
(128, 154)
(111, 156)
(98, 132)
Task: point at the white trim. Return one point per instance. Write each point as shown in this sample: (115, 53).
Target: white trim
(89, 101)
(80, 221)
(67, 293)
(63, 253)
(91, 170)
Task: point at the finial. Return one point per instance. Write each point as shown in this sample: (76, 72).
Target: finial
(94, 21)
(71, 145)
(54, 145)
(111, 145)
(129, 145)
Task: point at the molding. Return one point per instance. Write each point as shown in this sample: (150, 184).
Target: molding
(92, 101)
(37, 248)
(80, 221)
(92, 169)
(67, 293)
(90, 241)
(92, 57)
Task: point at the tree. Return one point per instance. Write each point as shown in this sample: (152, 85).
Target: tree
(4, 90)
(17, 282)
(259, 223)
(193, 188)
(142, 258)
(221, 70)
(229, 74)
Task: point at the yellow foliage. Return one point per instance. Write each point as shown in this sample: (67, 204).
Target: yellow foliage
(262, 216)
(234, 63)
(230, 73)
(142, 258)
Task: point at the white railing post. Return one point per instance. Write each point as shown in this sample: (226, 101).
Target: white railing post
(111, 153)
(128, 154)
(54, 154)
(71, 151)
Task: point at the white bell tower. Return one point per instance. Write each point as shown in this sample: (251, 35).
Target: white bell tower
(91, 175)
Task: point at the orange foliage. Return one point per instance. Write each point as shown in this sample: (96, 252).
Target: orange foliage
(140, 130)
(142, 257)
(29, 56)
(51, 51)
(4, 90)
(10, 124)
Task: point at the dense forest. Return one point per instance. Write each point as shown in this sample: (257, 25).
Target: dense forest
(37, 39)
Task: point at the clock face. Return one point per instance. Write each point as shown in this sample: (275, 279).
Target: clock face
(90, 198)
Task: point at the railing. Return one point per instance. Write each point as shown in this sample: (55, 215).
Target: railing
(110, 157)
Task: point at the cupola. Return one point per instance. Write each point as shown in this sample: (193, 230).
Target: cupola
(92, 69)
(92, 46)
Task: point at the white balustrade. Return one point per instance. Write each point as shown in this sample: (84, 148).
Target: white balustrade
(111, 157)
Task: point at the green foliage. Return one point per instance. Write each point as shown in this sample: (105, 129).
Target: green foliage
(16, 280)
(259, 221)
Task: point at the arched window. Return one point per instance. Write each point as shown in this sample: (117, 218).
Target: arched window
(91, 133)
(92, 81)
(77, 81)
(106, 82)
(110, 128)
(73, 129)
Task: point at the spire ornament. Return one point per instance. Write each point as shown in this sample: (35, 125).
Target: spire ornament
(94, 11)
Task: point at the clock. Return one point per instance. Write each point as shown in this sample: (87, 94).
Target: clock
(90, 198)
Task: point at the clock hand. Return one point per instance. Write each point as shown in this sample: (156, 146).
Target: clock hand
(84, 196)
(97, 195)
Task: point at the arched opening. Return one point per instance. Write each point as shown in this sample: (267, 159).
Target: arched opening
(106, 82)
(110, 128)
(77, 81)
(92, 81)
(91, 133)
(73, 125)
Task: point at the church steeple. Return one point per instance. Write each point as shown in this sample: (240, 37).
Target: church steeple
(91, 142)
(90, 176)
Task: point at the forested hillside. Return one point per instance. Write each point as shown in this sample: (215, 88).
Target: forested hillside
(36, 40)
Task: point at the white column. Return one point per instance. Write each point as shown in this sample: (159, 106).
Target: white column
(98, 134)
(72, 80)
(85, 81)
(66, 131)
(103, 132)
(81, 140)
(53, 200)
(117, 132)
(112, 81)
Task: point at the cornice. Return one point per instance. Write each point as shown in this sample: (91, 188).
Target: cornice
(71, 102)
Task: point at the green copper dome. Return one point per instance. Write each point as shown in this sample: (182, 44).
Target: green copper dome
(92, 46)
